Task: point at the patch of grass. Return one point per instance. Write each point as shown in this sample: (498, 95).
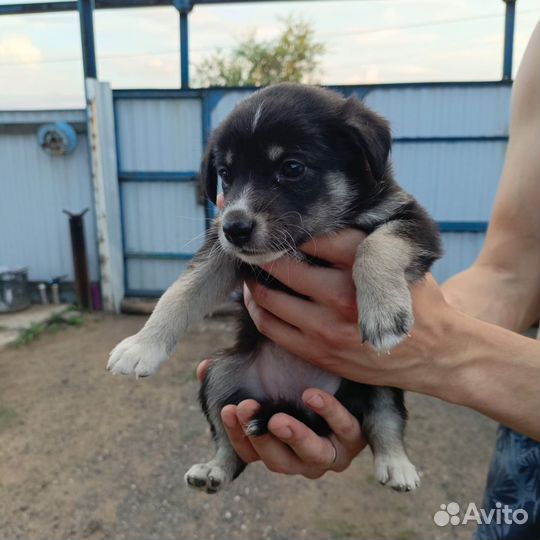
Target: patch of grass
(339, 528)
(8, 417)
(57, 322)
(27, 335)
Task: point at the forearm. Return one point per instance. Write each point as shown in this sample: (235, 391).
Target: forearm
(493, 295)
(489, 369)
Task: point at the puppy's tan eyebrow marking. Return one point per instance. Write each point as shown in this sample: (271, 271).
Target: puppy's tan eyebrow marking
(229, 157)
(256, 117)
(275, 152)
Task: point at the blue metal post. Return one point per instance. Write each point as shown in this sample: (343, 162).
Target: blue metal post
(86, 18)
(509, 20)
(184, 50)
(184, 7)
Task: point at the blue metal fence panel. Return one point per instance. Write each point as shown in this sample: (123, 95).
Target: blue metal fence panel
(159, 142)
(162, 218)
(443, 111)
(149, 277)
(224, 103)
(159, 134)
(454, 181)
(34, 189)
(449, 145)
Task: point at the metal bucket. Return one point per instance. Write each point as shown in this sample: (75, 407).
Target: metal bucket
(14, 292)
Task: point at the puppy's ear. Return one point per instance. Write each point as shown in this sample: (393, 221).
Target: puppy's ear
(370, 133)
(208, 176)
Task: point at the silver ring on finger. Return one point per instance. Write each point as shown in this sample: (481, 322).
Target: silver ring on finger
(334, 458)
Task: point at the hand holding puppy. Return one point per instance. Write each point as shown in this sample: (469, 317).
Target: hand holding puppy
(291, 447)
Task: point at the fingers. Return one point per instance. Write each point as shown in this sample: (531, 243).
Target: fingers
(291, 447)
(313, 451)
(288, 308)
(338, 249)
(235, 429)
(220, 201)
(302, 327)
(277, 457)
(343, 424)
(276, 329)
(328, 286)
(201, 369)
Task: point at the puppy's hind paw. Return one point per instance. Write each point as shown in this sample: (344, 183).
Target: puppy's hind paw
(205, 477)
(396, 472)
(135, 356)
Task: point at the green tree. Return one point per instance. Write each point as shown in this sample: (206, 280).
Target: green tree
(292, 57)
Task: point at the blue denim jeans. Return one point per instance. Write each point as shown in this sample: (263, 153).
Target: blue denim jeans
(513, 480)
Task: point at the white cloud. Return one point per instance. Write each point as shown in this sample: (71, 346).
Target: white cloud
(18, 48)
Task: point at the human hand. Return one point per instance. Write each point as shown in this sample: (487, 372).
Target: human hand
(291, 447)
(324, 330)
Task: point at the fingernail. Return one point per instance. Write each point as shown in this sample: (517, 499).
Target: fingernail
(316, 401)
(283, 432)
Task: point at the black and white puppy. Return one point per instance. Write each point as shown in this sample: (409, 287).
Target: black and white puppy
(296, 162)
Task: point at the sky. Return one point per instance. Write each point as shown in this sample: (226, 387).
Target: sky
(368, 41)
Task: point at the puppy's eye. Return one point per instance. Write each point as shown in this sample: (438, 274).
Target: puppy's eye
(292, 169)
(224, 174)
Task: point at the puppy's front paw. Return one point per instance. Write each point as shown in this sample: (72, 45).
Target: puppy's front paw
(205, 477)
(396, 472)
(385, 328)
(136, 356)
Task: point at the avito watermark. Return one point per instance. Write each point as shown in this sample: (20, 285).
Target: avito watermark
(451, 514)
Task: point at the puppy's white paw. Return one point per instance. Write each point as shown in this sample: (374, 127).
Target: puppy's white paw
(397, 472)
(135, 356)
(385, 328)
(205, 477)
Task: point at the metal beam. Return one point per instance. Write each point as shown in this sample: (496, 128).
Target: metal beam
(184, 49)
(86, 19)
(509, 20)
(158, 176)
(49, 7)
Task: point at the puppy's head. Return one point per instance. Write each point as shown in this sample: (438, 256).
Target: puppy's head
(294, 161)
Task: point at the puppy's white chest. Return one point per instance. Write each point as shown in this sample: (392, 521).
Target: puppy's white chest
(283, 375)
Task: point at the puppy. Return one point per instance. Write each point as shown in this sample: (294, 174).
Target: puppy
(296, 162)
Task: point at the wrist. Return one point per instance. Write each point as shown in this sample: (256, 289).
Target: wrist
(478, 361)
(455, 359)
(442, 354)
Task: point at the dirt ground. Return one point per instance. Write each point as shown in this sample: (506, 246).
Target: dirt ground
(84, 454)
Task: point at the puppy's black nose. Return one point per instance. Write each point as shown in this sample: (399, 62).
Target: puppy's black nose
(238, 232)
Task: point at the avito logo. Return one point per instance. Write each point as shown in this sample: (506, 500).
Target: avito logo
(450, 514)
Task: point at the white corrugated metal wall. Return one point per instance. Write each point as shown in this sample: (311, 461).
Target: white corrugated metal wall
(34, 189)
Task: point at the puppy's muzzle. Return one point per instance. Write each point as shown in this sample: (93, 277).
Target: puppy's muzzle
(238, 230)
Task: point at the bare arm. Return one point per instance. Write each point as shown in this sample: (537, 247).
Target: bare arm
(502, 286)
